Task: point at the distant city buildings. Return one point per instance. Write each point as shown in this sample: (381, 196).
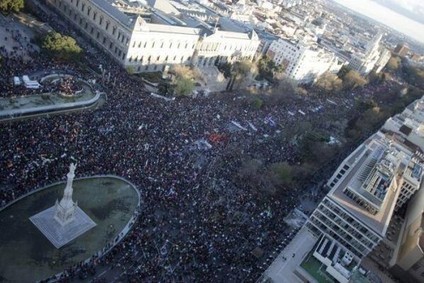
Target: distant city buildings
(401, 49)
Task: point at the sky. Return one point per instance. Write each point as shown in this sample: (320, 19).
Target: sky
(389, 17)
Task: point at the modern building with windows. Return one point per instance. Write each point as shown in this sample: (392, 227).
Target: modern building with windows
(146, 42)
(364, 192)
(408, 258)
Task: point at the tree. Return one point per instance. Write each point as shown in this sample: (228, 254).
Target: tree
(353, 80)
(61, 46)
(241, 70)
(281, 174)
(11, 5)
(267, 69)
(343, 71)
(394, 63)
(184, 86)
(329, 82)
(184, 80)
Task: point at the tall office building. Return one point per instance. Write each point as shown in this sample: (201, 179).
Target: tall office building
(408, 257)
(354, 216)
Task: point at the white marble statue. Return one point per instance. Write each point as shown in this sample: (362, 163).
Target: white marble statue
(65, 209)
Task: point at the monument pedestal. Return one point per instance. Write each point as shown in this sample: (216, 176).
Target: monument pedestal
(60, 235)
(65, 221)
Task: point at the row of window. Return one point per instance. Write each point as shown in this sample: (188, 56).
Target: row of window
(160, 45)
(93, 16)
(91, 30)
(158, 59)
(361, 228)
(330, 216)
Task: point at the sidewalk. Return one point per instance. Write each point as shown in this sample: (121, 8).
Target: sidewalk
(282, 270)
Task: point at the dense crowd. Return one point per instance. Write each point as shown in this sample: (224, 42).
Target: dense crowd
(197, 222)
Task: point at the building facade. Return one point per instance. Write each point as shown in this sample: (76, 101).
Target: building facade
(364, 192)
(303, 63)
(408, 258)
(145, 46)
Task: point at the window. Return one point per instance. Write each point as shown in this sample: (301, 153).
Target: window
(82, 7)
(101, 20)
(86, 25)
(91, 31)
(157, 59)
(130, 59)
(161, 46)
(104, 39)
(114, 30)
(166, 58)
(170, 45)
(145, 44)
(94, 16)
(80, 21)
(141, 59)
(149, 58)
(77, 3)
(98, 35)
(186, 45)
(153, 44)
(107, 25)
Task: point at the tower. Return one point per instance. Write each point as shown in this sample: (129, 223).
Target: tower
(65, 209)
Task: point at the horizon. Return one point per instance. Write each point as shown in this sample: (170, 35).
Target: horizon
(399, 22)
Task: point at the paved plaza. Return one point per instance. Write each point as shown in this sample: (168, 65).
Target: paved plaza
(283, 269)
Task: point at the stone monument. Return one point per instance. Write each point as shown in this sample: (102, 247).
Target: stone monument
(65, 209)
(65, 221)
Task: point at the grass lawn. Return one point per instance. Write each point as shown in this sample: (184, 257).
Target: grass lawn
(316, 269)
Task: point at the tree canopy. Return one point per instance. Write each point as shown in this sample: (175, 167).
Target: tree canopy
(353, 80)
(183, 86)
(11, 5)
(184, 80)
(329, 83)
(267, 69)
(61, 46)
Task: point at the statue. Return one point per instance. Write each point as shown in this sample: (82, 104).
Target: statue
(65, 209)
(64, 221)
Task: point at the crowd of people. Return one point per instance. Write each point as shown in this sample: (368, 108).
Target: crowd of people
(197, 222)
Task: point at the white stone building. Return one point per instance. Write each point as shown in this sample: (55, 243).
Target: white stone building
(143, 46)
(374, 58)
(304, 63)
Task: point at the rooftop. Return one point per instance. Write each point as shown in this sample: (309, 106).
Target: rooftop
(114, 12)
(366, 164)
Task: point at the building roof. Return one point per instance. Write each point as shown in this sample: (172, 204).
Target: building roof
(114, 12)
(358, 161)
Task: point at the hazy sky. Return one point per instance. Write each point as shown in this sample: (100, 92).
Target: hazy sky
(389, 17)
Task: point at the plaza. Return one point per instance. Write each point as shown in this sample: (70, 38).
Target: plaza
(27, 256)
